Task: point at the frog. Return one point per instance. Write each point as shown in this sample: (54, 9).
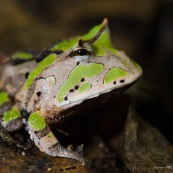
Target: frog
(45, 89)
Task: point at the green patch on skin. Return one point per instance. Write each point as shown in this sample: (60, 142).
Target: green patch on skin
(86, 86)
(22, 55)
(102, 44)
(36, 121)
(98, 50)
(50, 135)
(92, 32)
(3, 98)
(69, 44)
(75, 77)
(49, 60)
(13, 114)
(113, 74)
(66, 45)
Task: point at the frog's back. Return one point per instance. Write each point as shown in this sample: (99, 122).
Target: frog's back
(13, 77)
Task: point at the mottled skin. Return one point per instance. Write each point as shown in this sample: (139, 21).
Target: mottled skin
(60, 79)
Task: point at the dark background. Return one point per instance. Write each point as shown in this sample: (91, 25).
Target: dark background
(143, 29)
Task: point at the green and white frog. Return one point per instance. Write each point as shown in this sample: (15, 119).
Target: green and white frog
(69, 77)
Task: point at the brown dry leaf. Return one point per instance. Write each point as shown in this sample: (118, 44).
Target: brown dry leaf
(16, 161)
(145, 149)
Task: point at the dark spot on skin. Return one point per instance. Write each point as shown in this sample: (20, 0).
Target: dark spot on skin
(54, 145)
(39, 57)
(41, 77)
(65, 98)
(26, 75)
(36, 132)
(76, 87)
(24, 113)
(114, 82)
(82, 80)
(38, 93)
(57, 51)
(19, 61)
(72, 90)
(122, 81)
(35, 101)
(78, 63)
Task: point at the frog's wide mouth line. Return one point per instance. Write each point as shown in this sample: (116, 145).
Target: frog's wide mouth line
(109, 91)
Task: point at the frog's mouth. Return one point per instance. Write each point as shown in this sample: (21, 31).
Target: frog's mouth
(71, 109)
(97, 96)
(108, 79)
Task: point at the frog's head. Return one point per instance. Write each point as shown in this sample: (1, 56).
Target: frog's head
(88, 67)
(98, 67)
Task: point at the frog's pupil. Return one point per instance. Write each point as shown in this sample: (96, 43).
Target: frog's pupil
(82, 52)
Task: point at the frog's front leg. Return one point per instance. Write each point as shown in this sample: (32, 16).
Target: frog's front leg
(10, 121)
(43, 137)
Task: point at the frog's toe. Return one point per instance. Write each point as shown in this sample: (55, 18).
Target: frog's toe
(59, 151)
(46, 141)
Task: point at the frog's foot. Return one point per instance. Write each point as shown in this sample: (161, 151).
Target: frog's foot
(13, 125)
(11, 118)
(48, 143)
(9, 122)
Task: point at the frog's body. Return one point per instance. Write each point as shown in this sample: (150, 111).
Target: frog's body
(61, 78)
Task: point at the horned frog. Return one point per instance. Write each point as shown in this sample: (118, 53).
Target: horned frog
(55, 84)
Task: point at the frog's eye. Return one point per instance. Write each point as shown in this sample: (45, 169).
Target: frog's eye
(81, 54)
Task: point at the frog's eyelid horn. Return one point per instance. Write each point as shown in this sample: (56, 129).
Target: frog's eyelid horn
(104, 26)
(80, 43)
